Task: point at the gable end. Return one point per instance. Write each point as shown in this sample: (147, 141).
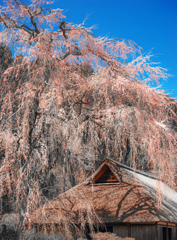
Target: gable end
(105, 175)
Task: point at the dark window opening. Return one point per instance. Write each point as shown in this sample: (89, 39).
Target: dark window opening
(100, 229)
(107, 177)
(106, 229)
(164, 233)
(167, 232)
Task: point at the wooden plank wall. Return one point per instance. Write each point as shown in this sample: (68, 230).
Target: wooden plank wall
(143, 232)
(139, 232)
(121, 230)
(174, 237)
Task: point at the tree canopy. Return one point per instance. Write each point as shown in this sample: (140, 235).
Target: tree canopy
(68, 99)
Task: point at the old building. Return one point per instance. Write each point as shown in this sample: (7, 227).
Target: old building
(130, 203)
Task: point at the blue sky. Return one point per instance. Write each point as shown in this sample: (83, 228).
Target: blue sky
(152, 24)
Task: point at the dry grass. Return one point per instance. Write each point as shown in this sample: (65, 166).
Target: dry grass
(108, 236)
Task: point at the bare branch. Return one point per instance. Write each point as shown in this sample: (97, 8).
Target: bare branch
(62, 27)
(32, 20)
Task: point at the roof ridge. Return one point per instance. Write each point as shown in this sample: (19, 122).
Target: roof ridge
(131, 169)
